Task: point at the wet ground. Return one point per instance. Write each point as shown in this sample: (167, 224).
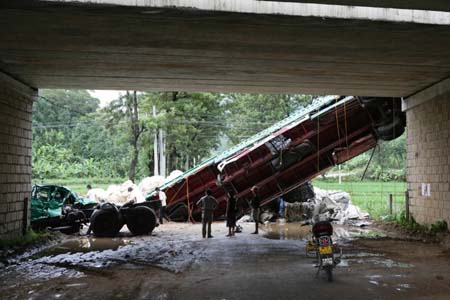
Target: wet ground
(176, 263)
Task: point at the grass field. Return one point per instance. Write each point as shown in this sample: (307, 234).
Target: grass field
(371, 196)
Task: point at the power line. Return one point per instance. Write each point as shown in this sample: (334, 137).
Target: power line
(71, 109)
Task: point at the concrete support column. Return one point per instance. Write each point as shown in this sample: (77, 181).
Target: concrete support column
(428, 153)
(16, 100)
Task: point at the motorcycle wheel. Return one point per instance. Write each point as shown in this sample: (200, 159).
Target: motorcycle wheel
(329, 271)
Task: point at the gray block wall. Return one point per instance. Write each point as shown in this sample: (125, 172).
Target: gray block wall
(428, 159)
(16, 100)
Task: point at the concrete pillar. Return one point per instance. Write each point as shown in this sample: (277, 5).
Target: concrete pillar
(16, 100)
(428, 153)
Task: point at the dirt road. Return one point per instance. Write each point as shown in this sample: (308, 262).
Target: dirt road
(176, 263)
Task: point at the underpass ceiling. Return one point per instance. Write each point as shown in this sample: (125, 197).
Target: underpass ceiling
(436, 5)
(76, 46)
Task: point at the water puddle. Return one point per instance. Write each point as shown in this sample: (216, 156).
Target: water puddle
(289, 231)
(295, 231)
(84, 245)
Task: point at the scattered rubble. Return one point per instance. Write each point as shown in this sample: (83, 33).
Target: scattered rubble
(331, 205)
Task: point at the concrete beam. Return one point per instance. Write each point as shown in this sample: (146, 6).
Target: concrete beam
(436, 5)
(58, 45)
(436, 90)
(287, 8)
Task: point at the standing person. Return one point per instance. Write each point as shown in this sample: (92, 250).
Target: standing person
(163, 198)
(255, 202)
(281, 207)
(231, 213)
(91, 193)
(208, 204)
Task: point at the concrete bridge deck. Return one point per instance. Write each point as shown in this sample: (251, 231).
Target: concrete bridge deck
(151, 47)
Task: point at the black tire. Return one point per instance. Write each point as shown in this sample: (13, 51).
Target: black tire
(329, 271)
(391, 130)
(105, 223)
(141, 220)
(75, 228)
(179, 213)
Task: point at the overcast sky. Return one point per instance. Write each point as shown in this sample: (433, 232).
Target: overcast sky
(105, 96)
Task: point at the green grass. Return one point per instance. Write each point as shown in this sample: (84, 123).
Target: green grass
(29, 238)
(371, 196)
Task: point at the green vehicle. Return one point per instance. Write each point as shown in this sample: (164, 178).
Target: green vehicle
(59, 208)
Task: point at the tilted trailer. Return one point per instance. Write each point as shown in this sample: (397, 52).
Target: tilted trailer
(279, 159)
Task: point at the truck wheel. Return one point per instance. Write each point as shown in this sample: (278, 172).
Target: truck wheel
(141, 220)
(105, 223)
(391, 130)
(179, 213)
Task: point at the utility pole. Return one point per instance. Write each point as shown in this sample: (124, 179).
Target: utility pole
(155, 147)
(340, 175)
(162, 153)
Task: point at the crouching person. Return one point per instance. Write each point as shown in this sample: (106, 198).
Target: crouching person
(208, 204)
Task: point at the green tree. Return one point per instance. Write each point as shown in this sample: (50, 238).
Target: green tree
(192, 123)
(123, 115)
(248, 114)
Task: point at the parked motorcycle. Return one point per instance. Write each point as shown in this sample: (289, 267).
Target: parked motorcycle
(322, 248)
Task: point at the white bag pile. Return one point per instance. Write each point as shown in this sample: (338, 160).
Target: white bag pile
(120, 194)
(335, 205)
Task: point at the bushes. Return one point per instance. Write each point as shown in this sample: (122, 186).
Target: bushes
(440, 226)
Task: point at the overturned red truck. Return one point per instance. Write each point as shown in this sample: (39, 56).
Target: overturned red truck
(282, 157)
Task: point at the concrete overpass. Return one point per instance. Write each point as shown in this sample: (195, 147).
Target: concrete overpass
(221, 46)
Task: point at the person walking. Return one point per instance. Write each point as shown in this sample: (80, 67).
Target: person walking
(231, 213)
(208, 204)
(163, 198)
(281, 207)
(255, 203)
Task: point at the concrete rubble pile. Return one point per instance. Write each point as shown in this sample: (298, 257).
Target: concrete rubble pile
(334, 205)
(120, 194)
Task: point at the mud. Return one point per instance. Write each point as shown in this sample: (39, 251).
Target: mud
(176, 263)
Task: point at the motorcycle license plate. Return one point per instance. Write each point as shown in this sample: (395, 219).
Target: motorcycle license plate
(326, 250)
(327, 261)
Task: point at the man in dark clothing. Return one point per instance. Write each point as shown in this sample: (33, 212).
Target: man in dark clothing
(255, 202)
(231, 213)
(208, 204)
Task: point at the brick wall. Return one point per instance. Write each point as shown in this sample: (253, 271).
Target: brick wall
(15, 154)
(428, 159)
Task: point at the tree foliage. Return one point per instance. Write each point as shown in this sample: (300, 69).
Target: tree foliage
(74, 137)
(248, 114)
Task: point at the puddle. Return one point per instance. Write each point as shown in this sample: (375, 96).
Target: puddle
(294, 231)
(84, 245)
(289, 231)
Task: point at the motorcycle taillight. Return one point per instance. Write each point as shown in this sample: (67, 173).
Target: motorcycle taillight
(324, 241)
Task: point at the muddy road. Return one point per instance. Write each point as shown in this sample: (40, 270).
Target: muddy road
(176, 263)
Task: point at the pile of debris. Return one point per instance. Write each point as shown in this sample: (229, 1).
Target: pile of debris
(325, 205)
(121, 194)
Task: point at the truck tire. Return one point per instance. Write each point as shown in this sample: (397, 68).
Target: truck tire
(106, 222)
(179, 213)
(391, 130)
(141, 220)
